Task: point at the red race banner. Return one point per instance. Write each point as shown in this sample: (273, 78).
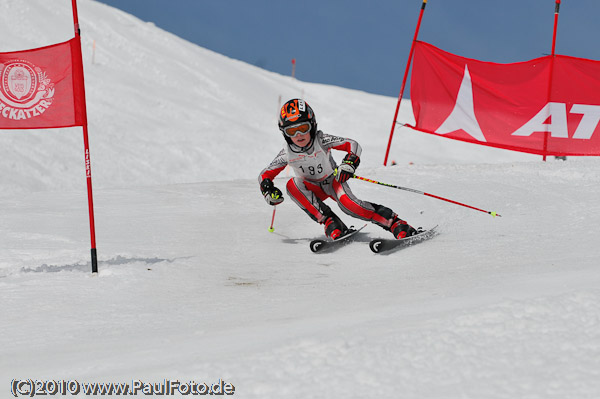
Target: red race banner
(547, 106)
(40, 88)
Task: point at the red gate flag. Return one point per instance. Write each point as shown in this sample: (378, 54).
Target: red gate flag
(44, 88)
(513, 106)
(41, 88)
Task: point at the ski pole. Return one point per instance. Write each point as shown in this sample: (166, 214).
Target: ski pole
(427, 194)
(271, 229)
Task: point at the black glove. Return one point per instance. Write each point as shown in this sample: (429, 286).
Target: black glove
(346, 170)
(272, 194)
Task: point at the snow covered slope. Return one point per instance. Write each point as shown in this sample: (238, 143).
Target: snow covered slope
(192, 286)
(153, 96)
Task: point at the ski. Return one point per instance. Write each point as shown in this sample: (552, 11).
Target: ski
(380, 245)
(328, 245)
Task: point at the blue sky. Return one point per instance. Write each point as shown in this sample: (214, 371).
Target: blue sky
(365, 45)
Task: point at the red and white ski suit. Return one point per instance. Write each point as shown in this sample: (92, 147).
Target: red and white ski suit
(315, 182)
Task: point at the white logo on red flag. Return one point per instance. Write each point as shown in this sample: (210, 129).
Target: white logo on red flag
(25, 90)
(463, 115)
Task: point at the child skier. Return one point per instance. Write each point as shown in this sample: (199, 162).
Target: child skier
(308, 153)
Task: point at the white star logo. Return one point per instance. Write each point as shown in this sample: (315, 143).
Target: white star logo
(462, 116)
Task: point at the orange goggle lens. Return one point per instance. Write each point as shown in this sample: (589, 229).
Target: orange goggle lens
(301, 128)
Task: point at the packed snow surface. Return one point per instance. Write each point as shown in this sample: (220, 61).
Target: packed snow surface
(192, 286)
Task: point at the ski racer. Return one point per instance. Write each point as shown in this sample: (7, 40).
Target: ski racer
(308, 152)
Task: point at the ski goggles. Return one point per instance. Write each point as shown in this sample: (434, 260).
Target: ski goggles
(299, 128)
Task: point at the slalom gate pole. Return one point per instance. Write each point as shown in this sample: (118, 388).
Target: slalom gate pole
(426, 194)
(77, 60)
(410, 54)
(271, 229)
(556, 11)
